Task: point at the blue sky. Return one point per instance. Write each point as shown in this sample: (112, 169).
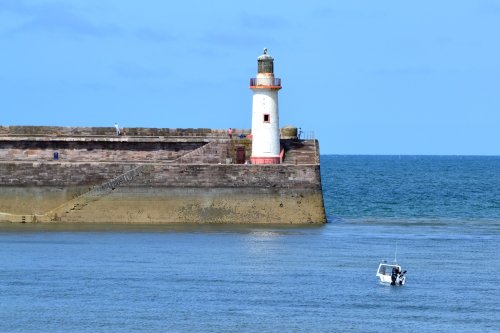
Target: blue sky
(368, 77)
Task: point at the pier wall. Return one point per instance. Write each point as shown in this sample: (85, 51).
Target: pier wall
(59, 131)
(177, 175)
(152, 175)
(100, 151)
(166, 193)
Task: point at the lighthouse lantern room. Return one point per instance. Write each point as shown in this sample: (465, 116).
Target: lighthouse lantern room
(265, 118)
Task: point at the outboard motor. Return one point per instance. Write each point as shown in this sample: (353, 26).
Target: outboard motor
(402, 278)
(394, 275)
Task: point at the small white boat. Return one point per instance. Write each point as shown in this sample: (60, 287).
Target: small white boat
(391, 274)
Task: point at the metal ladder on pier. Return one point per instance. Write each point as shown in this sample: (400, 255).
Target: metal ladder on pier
(94, 193)
(202, 154)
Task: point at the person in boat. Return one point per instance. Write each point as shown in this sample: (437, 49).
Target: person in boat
(395, 274)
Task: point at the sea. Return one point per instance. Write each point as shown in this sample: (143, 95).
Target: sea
(439, 216)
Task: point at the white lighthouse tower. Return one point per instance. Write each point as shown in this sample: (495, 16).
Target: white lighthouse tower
(265, 118)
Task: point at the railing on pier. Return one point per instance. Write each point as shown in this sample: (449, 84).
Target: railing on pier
(306, 135)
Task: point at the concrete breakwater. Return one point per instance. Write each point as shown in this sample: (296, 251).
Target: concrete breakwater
(60, 174)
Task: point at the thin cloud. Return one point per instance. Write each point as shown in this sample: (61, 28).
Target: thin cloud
(14, 6)
(405, 72)
(85, 86)
(61, 18)
(147, 34)
(489, 8)
(136, 71)
(345, 14)
(54, 18)
(238, 39)
(67, 23)
(253, 21)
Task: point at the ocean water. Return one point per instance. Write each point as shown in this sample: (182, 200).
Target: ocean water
(441, 213)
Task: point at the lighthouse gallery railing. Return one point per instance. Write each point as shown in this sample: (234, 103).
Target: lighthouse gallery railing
(276, 82)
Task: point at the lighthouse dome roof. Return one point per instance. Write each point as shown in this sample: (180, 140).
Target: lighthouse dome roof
(265, 56)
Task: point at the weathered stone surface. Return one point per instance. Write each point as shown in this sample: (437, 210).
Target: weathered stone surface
(183, 205)
(110, 131)
(162, 175)
(151, 178)
(94, 151)
(202, 205)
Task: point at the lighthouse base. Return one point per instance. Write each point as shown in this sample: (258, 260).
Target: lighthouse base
(265, 160)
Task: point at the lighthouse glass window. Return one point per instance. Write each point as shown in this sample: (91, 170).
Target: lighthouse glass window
(267, 118)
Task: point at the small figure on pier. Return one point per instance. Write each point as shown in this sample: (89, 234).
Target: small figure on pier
(117, 129)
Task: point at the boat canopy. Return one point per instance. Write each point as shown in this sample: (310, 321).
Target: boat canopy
(386, 269)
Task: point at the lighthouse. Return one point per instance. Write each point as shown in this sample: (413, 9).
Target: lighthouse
(265, 118)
